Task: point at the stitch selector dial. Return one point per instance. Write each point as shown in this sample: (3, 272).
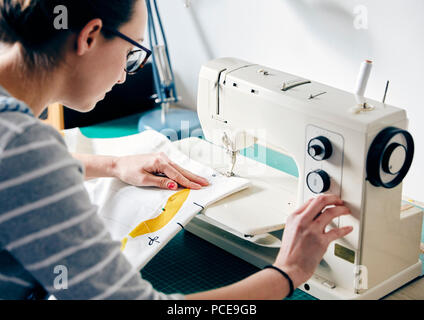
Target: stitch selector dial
(320, 148)
(318, 181)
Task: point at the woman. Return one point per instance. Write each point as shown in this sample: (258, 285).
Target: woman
(46, 219)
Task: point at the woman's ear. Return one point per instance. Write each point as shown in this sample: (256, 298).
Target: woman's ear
(88, 36)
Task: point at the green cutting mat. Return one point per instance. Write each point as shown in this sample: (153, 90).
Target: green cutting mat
(189, 264)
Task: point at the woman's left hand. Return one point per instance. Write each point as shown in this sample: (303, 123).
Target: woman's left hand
(155, 170)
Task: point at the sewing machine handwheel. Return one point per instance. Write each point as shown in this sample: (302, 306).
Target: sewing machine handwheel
(390, 157)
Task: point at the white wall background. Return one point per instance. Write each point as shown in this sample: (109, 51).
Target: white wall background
(316, 39)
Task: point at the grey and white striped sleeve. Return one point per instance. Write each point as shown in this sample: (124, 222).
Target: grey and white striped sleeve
(48, 224)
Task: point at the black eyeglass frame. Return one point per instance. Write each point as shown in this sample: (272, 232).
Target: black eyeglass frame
(136, 44)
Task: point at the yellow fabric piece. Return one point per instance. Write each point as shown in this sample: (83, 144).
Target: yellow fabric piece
(173, 205)
(124, 243)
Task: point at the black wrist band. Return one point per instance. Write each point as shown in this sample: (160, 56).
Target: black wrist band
(285, 275)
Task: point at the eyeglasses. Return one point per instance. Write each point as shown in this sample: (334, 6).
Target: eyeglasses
(137, 58)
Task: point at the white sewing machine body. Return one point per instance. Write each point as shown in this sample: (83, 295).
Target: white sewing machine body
(313, 124)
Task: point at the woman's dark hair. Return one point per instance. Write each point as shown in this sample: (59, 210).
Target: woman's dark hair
(32, 24)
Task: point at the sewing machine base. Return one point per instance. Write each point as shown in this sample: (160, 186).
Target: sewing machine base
(258, 256)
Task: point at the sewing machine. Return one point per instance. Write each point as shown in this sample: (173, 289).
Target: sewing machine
(361, 152)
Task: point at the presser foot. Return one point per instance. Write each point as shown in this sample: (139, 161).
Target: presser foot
(230, 174)
(233, 155)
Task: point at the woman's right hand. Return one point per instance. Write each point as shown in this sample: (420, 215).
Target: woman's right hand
(305, 240)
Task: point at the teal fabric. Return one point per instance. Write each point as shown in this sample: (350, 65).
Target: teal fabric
(272, 158)
(113, 129)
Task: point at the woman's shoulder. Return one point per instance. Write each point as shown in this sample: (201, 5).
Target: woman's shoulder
(25, 139)
(32, 145)
(23, 128)
(18, 122)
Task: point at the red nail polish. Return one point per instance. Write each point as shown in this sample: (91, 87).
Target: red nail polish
(171, 185)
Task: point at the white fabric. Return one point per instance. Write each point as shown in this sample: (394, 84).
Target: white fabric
(123, 207)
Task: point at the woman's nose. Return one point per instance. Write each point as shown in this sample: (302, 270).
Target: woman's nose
(123, 77)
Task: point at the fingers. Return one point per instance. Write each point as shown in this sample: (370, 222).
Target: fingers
(330, 214)
(303, 206)
(189, 175)
(151, 180)
(176, 176)
(318, 204)
(338, 233)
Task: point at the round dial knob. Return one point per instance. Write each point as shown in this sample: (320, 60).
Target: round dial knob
(320, 148)
(390, 157)
(318, 181)
(393, 158)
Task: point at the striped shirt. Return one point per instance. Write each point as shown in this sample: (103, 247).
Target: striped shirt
(51, 239)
